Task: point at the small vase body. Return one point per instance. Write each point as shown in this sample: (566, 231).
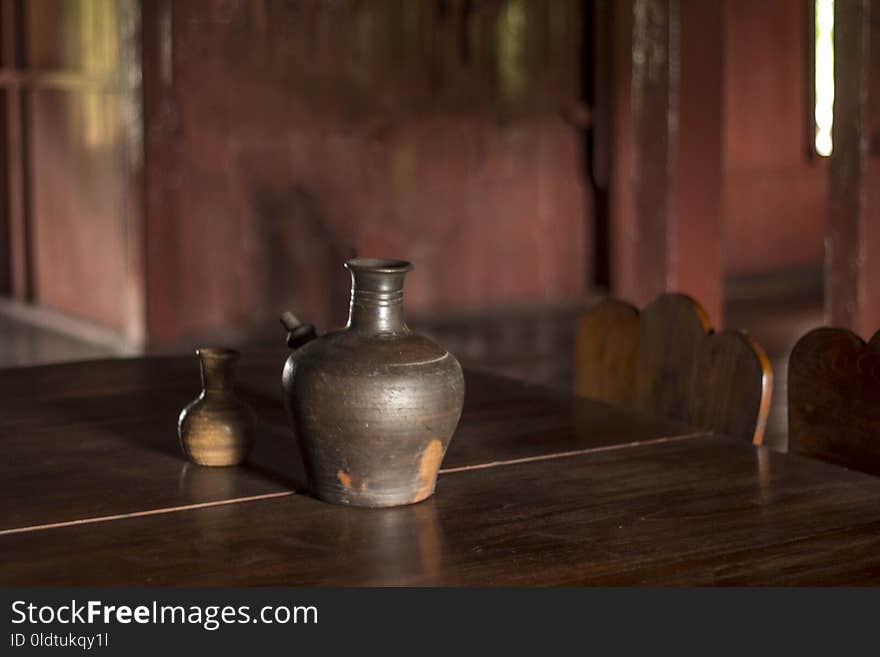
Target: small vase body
(217, 428)
(374, 405)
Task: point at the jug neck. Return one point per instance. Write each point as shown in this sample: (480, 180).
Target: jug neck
(377, 295)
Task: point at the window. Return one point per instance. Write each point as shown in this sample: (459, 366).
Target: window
(824, 76)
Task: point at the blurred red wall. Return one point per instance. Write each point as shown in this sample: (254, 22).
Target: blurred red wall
(774, 194)
(283, 138)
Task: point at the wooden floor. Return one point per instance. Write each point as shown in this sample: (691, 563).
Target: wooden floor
(777, 323)
(531, 346)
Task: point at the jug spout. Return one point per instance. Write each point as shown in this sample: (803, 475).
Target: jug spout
(298, 333)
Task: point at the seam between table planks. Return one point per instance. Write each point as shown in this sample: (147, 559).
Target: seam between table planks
(149, 512)
(576, 452)
(287, 493)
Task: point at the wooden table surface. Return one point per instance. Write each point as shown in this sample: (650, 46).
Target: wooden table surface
(537, 488)
(97, 439)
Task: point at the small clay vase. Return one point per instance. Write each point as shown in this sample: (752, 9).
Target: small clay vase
(217, 428)
(375, 404)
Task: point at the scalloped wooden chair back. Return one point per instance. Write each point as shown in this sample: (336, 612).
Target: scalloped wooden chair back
(667, 360)
(834, 398)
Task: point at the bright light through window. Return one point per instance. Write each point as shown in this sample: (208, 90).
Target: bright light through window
(824, 75)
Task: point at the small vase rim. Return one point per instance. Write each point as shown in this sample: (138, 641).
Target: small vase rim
(217, 353)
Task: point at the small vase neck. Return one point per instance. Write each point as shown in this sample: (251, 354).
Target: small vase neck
(218, 368)
(377, 295)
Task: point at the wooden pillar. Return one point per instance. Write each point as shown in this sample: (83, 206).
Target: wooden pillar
(853, 245)
(17, 227)
(666, 186)
(163, 154)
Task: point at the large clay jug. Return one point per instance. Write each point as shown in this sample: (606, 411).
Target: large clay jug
(374, 405)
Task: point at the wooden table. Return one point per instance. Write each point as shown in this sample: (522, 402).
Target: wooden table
(537, 488)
